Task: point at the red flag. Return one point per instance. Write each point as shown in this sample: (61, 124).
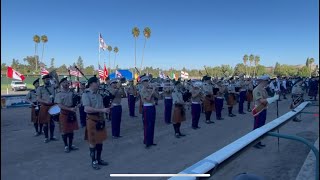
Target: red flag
(13, 74)
(43, 71)
(105, 72)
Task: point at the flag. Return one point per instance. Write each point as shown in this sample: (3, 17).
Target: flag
(105, 72)
(173, 76)
(118, 74)
(100, 72)
(162, 75)
(13, 74)
(184, 75)
(43, 71)
(102, 44)
(74, 72)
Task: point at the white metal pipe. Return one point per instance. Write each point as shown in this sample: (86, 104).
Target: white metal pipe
(221, 155)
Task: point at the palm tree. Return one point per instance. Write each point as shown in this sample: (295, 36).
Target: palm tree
(245, 60)
(311, 61)
(109, 49)
(147, 34)
(44, 40)
(256, 62)
(115, 50)
(251, 59)
(135, 33)
(36, 39)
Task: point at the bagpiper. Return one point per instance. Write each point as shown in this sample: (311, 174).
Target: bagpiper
(179, 112)
(35, 107)
(208, 98)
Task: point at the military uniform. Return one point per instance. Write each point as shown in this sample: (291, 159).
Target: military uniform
(208, 99)
(196, 105)
(67, 118)
(116, 108)
(219, 99)
(35, 107)
(45, 95)
(179, 114)
(96, 131)
(167, 93)
(231, 98)
(132, 95)
(149, 112)
(242, 96)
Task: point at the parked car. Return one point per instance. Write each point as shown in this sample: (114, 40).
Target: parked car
(18, 86)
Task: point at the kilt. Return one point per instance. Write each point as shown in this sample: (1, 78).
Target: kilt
(208, 104)
(91, 134)
(179, 114)
(249, 96)
(231, 99)
(44, 116)
(65, 125)
(34, 116)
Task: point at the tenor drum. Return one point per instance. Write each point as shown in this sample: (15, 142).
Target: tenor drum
(54, 110)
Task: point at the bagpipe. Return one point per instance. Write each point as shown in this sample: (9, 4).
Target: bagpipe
(297, 99)
(262, 106)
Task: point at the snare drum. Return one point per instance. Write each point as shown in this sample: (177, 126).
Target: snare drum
(54, 110)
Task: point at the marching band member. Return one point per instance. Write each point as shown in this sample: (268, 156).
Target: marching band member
(167, 93)
(219, 99)
(32, 99)
(96, 131)
(149, 111)
(132, 95)
(249, 85)
(116, 109)
(297, 96)
(208, 99)
(231, 99)
(83, 114)
(179, 113)
(67, 118)
(242, 94)
(261, 100)
(196, 104)
(45, 96)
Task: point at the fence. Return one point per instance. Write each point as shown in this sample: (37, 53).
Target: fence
(224, 155)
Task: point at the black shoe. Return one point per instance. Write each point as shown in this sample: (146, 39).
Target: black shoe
(233, 115)
(103, 163)
(36, 134)
(73, 148)
(220, 118)
(53, 139)
(181, 135)
(95, 165)
(262, 145)
(177, 135)
(249, 110)
(209, 122)
(153, 144)
(46, 140)
(194, 128)
(148, 146)
(242, 113)
(257, 146)
(296, 120)
(66, 149)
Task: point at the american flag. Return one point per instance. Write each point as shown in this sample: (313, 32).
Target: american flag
(102, 44)
(74, 72)
(43, 71)
(118, 74)
(100, 72)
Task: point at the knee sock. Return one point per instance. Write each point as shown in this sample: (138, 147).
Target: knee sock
(45, 129)
(93, 154)
(70, 139)
(178, 127)
(175, 128)
(99, 150)
(248, 105)
(36, 127)
(230, 110)
(64, 138)
(40, 129)
(51, 130)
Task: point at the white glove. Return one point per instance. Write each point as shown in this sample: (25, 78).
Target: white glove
(273, 99)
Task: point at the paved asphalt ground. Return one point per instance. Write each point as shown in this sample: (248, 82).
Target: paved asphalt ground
(26, 157)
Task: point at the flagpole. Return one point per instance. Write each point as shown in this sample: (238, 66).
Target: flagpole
(99, 52)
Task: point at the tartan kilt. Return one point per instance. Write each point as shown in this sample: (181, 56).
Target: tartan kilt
(249, 96)
(34, 116)
(179, 114)
(65, 125)
(91, 134)
(44, 116)
(231, 99)
(208, 104)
